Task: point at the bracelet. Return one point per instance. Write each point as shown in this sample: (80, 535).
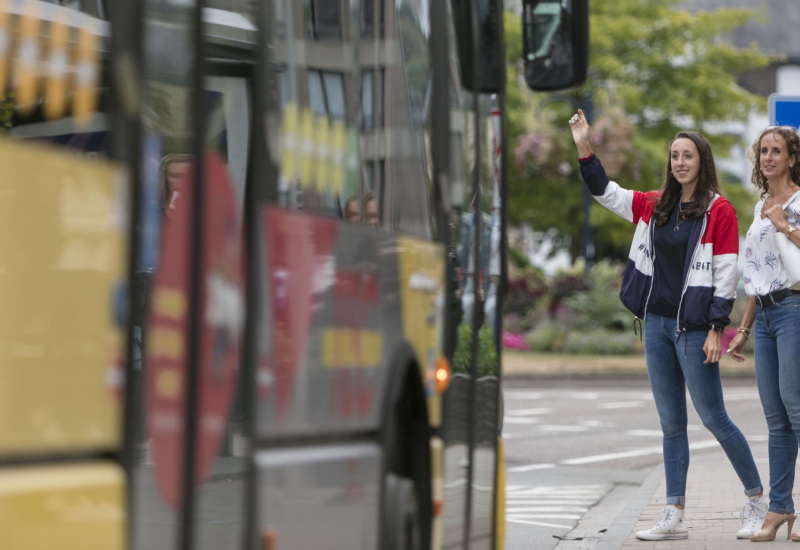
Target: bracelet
(745, 331)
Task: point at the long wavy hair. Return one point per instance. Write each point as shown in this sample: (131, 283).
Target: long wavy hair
(707, 183)
(792, 140)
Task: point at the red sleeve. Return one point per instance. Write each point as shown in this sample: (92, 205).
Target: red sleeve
(643, 205)
(724, 232)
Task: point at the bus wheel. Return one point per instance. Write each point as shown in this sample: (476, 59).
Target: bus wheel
(401, 519)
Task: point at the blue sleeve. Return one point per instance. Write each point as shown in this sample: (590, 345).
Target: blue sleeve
(594, 175)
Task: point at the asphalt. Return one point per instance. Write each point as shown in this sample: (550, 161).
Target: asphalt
(714, 494)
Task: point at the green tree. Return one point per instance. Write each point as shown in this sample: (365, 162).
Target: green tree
(654, 69)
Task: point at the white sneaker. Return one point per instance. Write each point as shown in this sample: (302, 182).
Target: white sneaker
(752, 515)
(669, 526)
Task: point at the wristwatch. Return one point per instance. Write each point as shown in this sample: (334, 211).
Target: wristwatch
(717, 329)
(791, 228)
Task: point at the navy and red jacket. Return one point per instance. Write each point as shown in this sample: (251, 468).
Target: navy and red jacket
(710, 268)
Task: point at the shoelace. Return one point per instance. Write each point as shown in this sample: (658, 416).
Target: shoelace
(663, 518)
(752, 515)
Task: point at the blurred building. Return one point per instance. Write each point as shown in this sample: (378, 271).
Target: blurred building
(775, 31)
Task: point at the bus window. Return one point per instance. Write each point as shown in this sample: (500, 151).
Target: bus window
(555, 43)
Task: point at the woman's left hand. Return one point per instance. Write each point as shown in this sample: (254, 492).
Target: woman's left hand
(776, 215)
(712, 348)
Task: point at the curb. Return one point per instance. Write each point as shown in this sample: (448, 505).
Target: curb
(612, 375)
(619, 531)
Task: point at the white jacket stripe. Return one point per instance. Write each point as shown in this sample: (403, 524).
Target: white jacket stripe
(618, 200)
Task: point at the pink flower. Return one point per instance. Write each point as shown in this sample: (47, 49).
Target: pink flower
(513, 340)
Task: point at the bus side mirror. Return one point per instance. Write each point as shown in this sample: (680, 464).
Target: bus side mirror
(555, 43)
(488, 79)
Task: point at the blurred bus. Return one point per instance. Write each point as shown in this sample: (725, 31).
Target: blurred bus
(252, 269)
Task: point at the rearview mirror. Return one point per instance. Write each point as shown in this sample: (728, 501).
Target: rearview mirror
(481, 75)
(555, 43)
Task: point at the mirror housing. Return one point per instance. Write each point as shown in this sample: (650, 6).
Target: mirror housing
(488, 79)
(555, 43)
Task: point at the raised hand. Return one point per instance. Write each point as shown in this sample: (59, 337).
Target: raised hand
(580, 134)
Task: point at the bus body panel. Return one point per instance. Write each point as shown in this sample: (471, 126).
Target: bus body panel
(331, 321)
(422, 291)
(60, 278)
(321, 496)
(69, 507)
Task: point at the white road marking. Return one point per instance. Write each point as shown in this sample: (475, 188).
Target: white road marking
(555, 428)
(622, 405)
(552, 509)
(529, 468)
(539, 523)
(528, 505)
(597, 424)
(520, 420)
(634, 453)
(645, 433)
(520, 435)
(521, 394)
(585, 395)
(526, 412)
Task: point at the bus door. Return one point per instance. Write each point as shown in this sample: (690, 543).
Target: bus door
(471, 409)
(191, 467)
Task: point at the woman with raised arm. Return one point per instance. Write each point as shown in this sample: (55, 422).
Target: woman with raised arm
(681, 280)
(775, 310)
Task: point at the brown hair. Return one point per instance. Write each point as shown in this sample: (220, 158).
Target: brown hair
(707, 183)
(792, 140)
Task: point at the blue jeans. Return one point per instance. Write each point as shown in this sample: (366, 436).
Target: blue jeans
(777, 356)
(672, 366)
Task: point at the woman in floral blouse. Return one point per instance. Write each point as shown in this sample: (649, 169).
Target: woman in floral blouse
(775, 309)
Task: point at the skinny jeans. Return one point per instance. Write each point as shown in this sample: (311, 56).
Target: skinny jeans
(673, 365)
(777, 358)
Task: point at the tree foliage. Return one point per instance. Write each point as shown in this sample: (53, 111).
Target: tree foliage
(655, 69)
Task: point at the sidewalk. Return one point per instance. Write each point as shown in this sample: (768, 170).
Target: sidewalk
(713, 493)
(713, 490)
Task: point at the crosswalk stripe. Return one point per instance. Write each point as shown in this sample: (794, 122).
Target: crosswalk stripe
(528, 505)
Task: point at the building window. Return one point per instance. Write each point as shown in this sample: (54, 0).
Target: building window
(325, 18)
(366, 100)
(367, 17)
(283, 86)
(326, 93)
(379, 98)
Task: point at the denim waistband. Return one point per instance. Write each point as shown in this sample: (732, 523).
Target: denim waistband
(774, 297)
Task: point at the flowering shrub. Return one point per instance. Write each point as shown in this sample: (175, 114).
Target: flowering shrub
(547, 336)
(601, 342)
(547, 150)
(514, 340)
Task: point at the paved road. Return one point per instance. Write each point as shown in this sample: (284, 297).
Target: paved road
(578, 447)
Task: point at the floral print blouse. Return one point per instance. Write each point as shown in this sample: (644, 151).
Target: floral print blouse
(763, 269)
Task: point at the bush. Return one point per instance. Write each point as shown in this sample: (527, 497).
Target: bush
(487, 353)
(518, 258)
(600, 305)
(601, 342)
(547, 336)
(562, 287)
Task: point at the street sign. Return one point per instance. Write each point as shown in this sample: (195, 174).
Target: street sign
(784, 110)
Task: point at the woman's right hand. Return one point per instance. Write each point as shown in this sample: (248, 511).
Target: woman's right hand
(580, 134)
(736, 345)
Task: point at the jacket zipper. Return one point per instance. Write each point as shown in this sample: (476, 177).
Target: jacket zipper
(651, 235)
(680, 330)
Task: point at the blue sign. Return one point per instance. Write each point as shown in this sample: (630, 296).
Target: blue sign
(784, 110)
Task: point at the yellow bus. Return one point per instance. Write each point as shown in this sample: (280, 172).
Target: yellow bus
(252, 269)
